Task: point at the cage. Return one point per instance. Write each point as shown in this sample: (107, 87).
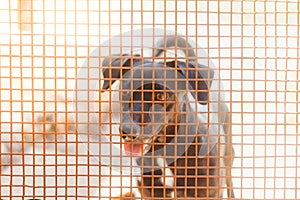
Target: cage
(88, 86)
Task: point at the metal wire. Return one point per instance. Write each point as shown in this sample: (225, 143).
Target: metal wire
(50, 144)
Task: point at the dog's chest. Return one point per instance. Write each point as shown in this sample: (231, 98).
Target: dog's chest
(158, 175)
(167, 178)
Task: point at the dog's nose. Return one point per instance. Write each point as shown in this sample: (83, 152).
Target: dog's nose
(128, 131)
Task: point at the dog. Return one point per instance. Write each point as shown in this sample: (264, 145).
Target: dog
(160, 125)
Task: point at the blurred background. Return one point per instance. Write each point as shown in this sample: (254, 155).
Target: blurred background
(43, 44)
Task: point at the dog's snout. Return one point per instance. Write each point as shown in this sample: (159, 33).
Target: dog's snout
(128, 131)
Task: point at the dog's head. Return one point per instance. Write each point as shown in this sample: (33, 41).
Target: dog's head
(149, 105)
(150, 94)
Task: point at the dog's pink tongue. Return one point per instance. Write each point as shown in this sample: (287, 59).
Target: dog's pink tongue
(133, 149)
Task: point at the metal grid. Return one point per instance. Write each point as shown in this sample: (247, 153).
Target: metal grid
(253, 44)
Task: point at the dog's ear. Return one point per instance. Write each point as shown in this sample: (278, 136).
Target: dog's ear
(113, 68)
(199, 77)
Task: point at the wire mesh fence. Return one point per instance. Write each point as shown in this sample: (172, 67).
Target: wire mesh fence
(147, 99)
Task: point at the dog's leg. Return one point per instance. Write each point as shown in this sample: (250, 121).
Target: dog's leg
(229, 184)
(229, 152)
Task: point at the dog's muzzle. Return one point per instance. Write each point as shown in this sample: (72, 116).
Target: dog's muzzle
(138, 138)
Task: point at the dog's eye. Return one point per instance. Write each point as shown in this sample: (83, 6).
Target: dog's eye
(125, 93)
(161, 96)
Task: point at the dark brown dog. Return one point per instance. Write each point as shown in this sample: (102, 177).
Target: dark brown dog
(171, 154)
